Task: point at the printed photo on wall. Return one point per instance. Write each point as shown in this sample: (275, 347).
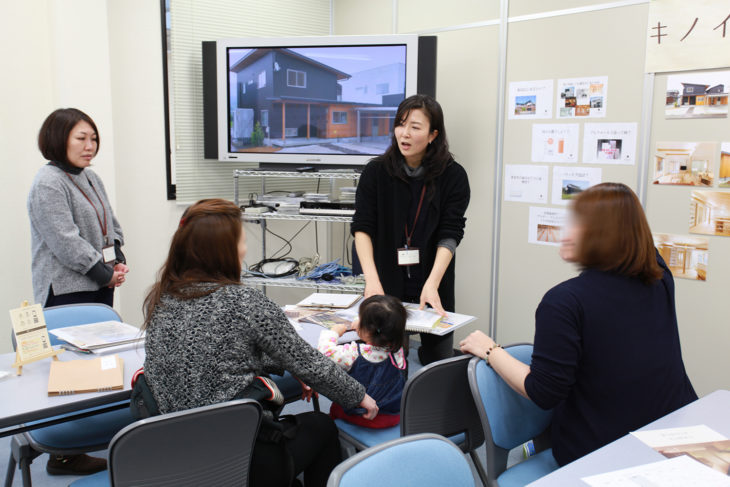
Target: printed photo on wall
(555, 142)
(685, 255)
(531, 99)
(724, 165)
(697, 95)
(525, 183)
(709, 213)
(582, 97)
(609, 143)
(684, 163)
(568, 182)
(546, 225)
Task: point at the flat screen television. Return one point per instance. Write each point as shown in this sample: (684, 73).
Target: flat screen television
(310, 101)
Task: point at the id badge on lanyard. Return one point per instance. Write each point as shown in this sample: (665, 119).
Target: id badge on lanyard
(408, 256)
(109, 254)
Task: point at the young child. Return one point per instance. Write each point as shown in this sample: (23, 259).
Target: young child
(379, 364)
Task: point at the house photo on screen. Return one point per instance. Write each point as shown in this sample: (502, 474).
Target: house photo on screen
(724, 172)
(710, 213)
(321, 100)
(697, 95)
(685, 255)
(684, 163)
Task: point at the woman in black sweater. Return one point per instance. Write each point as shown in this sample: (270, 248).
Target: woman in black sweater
(607, 356)
(413, 197)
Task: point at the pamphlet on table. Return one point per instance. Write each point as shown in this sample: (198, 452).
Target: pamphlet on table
(97, 336)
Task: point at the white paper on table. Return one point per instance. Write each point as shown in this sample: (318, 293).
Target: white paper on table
(555, 142)
(568, 182)
(609, 143)
(546, 225)
(582, 97)
(530, 99)
(679, 436)
(525, 183)
(680, 471)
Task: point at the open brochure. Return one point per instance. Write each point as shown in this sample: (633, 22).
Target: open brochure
(326, 319)
(429, 321)
(699, 442)
(94, 336)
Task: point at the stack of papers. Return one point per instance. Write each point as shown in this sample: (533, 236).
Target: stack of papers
(324, 300)
(99, 337)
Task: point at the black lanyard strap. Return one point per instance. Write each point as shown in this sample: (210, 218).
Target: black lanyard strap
(103, 209)
(415, 220)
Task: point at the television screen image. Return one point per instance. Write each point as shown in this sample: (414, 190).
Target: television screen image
(314, 100)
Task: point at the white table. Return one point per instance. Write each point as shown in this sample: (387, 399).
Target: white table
(712, 410)
(25, 397)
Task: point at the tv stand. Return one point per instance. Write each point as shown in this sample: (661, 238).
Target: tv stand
(288, 171)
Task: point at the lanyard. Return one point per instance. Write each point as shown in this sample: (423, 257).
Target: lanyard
(98, 217)
(415, 220)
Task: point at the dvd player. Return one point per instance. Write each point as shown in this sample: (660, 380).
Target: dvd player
(334, 208)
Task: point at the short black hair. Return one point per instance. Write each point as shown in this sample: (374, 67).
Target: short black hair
(54, 133)
(384, 318)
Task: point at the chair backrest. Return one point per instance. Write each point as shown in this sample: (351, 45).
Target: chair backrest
(425, 460)
(437, 399)
(210, 445)
(508, 418)
(77, 314)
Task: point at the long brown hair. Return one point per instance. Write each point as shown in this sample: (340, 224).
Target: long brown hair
(204, 249)
(616, 236)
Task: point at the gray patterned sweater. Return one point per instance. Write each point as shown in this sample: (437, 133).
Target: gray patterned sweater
(66, 238)
(206, 350)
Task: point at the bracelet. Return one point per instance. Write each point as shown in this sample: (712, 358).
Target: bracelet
(496, 345)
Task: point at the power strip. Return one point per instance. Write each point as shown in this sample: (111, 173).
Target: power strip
(255, 210)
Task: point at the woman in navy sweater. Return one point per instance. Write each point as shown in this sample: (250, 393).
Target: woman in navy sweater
(606, 354)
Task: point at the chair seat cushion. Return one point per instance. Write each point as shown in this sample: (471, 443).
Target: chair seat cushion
(97, 430)
(529, 470)
(371, 437)
(368, 436)
(99, 479)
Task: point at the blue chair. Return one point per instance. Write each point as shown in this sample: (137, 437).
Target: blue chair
(426, 460)
(84, 435)
(436, 399)
(509, 420)
(206, 446)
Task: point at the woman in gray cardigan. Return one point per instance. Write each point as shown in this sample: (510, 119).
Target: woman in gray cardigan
(75, 238)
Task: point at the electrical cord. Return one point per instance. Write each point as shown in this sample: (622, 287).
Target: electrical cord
(276, 268)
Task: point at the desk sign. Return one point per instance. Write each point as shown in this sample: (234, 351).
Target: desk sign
(31, 335)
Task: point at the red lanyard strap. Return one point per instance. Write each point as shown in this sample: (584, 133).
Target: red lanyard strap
(415, 220)
(98, 217)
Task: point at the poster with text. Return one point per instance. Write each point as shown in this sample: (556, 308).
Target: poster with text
(724, 172)
(531, 99)
(685, 255)
(525, 183)
(609, 143)
(568, 182)
(546, 225)
(685, 163)
(582, 97)
(555, 142)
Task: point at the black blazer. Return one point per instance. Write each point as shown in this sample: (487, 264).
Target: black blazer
(381, 207)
